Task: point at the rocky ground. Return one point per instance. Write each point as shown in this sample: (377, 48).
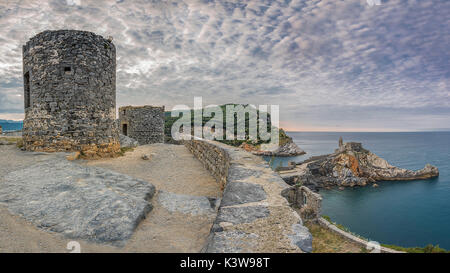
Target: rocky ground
(289, 148)
(180, 181)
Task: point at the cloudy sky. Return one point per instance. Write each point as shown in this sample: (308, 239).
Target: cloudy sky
(329, 64)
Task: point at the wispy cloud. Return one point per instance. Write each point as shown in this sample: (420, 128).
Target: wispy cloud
(327, 63)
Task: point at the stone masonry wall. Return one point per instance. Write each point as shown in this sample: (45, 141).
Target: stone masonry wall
(143, 123)
(215, 159)
(70, 93)
(308, 202)
(253, 216)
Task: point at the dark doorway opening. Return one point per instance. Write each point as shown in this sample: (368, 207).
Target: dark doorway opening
(125, 129)
(27, 95)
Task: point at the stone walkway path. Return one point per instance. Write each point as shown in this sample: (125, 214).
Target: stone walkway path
(180, 221)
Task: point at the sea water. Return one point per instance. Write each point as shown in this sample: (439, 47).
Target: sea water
(11, 126)
(405, 213)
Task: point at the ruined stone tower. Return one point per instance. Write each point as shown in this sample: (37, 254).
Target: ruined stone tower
(70, 93)
(143, 123)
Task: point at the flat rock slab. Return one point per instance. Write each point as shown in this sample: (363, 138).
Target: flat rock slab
(240, 215)
(187, 204)
(301, 237)
(232, 242)
(80, 202)
(239, 172)
(237, 193)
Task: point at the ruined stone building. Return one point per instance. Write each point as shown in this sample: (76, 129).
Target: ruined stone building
(143, 123)
(349, 146)
(70, 93)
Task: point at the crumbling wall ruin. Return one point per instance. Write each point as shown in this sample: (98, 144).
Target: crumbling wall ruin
(142, 123)
(308, 202)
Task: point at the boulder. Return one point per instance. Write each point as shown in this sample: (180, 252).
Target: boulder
(127, 142)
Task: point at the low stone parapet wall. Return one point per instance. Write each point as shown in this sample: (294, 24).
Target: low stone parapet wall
(363, 243)
(12, 133)
(215, 159)
(253, 216)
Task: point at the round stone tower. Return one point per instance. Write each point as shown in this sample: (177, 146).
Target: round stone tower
(70, 93)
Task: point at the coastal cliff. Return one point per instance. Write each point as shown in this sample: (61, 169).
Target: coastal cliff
(286, 148)
(351, 165)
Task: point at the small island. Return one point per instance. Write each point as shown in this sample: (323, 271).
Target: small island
(350, 165)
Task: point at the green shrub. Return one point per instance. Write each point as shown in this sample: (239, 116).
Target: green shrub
(124, 150)
(427, 249)
(326, 217)
(19, 143)
(11, 140)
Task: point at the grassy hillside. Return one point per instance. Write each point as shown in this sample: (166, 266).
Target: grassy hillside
(169, 121)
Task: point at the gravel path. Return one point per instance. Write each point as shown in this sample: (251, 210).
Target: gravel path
(171, 168)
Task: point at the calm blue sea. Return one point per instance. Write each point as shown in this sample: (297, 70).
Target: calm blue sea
(411, 213)
(8, 126)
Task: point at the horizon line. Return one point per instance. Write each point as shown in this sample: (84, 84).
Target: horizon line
(423, 131)
(331, 131)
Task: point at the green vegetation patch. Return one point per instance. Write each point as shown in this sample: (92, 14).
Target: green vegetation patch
(427, 249)
(123, 150)
(326, 241)
(283, 137)
(11, 139)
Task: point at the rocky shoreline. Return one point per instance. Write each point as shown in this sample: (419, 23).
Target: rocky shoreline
(350, 165)
(289, 148)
